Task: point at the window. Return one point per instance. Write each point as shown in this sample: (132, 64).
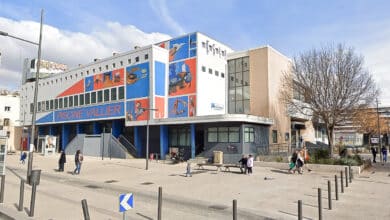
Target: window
(81, 97)
(113, 94)
(210, 71)
(234, 134)
(76, 100)
(31, 107)
(106, 95)
(70, 101)
(249, 135)
(203, 44)
(60, 103)
(51, 104)
(274, 136)
(87, 98)
(6, 122)
(121, 62)
(212, 135)
(129, 61)
(100, 68)
(106, 67)
(113, 65)
(203, 69)
(87, 72)
(66, 78)
(223, 75)
(65, 102)
(47, 105)
(121, 93)
(39, 106)
(223, 134)
(216, 72)
(93, 97)
(100, 96)
(56, 104)
(93, 70)
(7, 108)
(136, 59)
(146, 56)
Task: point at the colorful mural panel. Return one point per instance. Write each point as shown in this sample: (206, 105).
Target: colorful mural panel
(104, 80)
(91, 112)
(74, 89)
(159, 103)
(182, 77)
(178, 107)
(178, 49)
(160, 78)
(135, 110)
(137, 81)
(193, 41)
(192, 106)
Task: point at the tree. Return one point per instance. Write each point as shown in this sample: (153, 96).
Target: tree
(328, 83)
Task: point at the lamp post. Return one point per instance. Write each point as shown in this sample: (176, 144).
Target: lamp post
(379, 130)
(32, 136)
(147, 136)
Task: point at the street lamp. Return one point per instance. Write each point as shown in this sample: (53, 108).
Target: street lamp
(147, 135)
(379, 131)
(32, 136)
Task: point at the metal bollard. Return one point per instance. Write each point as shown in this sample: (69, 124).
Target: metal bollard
(21, 195)
(2, 188)
(350, 174)
(299, 209)
(159, 203)
(319, 204)
(336, 185)
(346, 177)
(32, 202)
(234, 209)
(342, 182)
(329, 196)
(85, 209)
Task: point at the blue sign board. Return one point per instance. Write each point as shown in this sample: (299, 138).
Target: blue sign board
(126, 202)
(91, 112)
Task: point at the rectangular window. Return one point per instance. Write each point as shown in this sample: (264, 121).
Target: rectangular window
(113, 94)
(87, 98)
(100, 96)
(7, 108)
(223, 75)
(106, 67)
(203, 44)
(93, 97)
(121, 62)
(47, 105)
(121, 93)
(223, 134)
(212, 135)
(39, 106)
(274, 136)
(136, 59)
(216, 73)
(146, 56)
(106, 95)
(6, 122)
(203, 69)
(249, 135)
(70, 101)
(31, 107)
(60, 103)
(55, 103)
(76, 100)
(129, 61)
(234, 134)
(81, 97)
(210, 71)
(113, 65)
(65, 102)
(51, 104)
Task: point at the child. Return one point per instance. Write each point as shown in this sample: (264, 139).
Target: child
(23, 157)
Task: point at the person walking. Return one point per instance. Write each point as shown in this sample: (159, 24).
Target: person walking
(23, 156)
(188, 170)
(78, 159)
(384, 154)
(61, 161)
(243, 162)
(293, 161)
(373, 151)
(300, 162)
(249, 164)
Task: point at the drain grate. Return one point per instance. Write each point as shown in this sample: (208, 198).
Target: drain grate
(147, 183)
(93, 186)
(218, 207)
(111, 181)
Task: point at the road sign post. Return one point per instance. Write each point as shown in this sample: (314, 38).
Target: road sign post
(126, 202)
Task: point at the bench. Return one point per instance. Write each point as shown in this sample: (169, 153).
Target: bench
(228, 166)
(202, 165)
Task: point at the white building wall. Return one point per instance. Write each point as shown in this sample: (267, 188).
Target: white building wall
(9, 110)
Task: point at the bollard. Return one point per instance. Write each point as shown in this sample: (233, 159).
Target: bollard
(350, 174)
(21, 195)
(319, 204)
(159, 203)
(329, 196)
(299, 209)
(85, 209)
(2, 188)
(336, 185)
(346, 177)
(342, 182)
(32, 202)
(234, 209)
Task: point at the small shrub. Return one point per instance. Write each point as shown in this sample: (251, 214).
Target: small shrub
(279, 159)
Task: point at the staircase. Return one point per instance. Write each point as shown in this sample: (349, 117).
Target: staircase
(128, 146)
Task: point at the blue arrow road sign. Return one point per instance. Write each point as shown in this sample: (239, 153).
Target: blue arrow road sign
(126, 202)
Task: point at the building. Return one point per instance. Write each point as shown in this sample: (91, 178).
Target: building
(9, 119)
(195, 94)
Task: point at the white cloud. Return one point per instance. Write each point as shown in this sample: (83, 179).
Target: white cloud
(161, 9)
(71, 48)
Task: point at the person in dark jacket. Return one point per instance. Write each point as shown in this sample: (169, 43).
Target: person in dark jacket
(243, 162)
(62, 161)
(374, 152)
(293, 161)
(78, 159)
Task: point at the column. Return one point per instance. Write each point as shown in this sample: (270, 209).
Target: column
(192, 141)
(117, 127)
(65, 136)
(138, 141)
(163, 141)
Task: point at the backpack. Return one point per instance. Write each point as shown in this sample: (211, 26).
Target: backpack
(81, 158)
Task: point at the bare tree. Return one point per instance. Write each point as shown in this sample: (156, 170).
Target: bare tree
(328, 83)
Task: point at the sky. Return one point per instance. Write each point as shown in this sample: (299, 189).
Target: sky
(76, 31)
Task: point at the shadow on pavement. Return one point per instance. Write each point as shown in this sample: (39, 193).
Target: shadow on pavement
(281, 171)
(144, 216)
(293, 214)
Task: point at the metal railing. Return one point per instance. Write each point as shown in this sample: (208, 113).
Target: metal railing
(129, 146)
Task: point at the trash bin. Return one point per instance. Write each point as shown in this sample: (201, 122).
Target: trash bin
(35, 176)
(218, 157)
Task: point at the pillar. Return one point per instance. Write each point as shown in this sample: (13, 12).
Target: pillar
(138, 141)
(79, 128)
(163, 141)
(192, 140)
(65, 135)
(117, 127)
(97, 128)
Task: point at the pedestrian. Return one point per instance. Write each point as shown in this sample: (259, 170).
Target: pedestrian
(23, 156)
(188, 173)
(306, 157)
(243, 162)
(373, 151)
(61, 161)
(249, 164)
(300, 162)
(78, 159)
(384, 153)
(293, 161)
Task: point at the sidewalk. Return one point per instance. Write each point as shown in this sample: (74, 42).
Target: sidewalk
(206, 195)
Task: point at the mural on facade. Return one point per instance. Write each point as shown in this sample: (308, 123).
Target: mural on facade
(181, 48)
(104, 80)
(159, 103)
(182, 77)
(135, 110)
(137, 81)
(74, 89)
(192, 105)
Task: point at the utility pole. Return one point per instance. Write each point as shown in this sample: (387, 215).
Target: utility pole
(379, 131)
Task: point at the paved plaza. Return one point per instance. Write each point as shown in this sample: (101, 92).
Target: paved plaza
(269, 193)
